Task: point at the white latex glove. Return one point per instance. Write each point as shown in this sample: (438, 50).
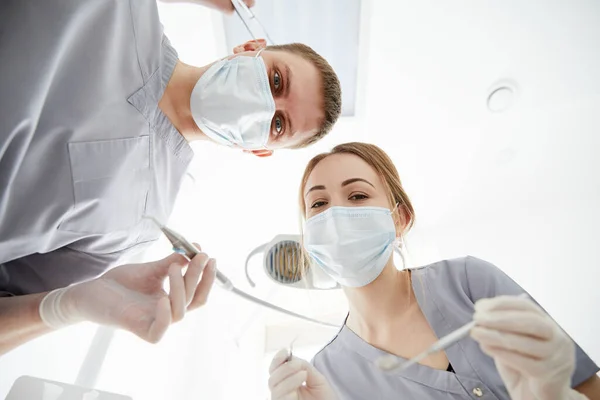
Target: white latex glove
(132, 296)
(534, 356)
(287, 378)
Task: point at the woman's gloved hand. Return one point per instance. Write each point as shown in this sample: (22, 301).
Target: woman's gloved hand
(287, 378)
(131, 296)
(534, 356)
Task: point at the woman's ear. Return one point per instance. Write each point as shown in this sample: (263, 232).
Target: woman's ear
(400, 219)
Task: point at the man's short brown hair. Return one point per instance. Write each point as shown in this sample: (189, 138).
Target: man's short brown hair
(331, 88)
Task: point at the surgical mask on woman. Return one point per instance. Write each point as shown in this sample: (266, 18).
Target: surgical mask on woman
(232, 102)
(351, 244)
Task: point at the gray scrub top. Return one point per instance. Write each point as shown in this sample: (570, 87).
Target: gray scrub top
(446, 292)
(85, 151)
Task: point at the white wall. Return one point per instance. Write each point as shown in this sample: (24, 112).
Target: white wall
(552, 251)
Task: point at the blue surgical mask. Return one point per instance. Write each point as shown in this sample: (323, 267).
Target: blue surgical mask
(232, 103)
(351, 244)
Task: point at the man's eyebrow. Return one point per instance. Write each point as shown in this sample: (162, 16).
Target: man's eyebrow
(290, 125)
(288, 75)
(286, 93)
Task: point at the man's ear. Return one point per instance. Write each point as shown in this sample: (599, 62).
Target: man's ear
(251, 45)
(260, 153)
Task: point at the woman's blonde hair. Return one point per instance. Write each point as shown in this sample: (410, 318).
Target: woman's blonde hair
(382, 164)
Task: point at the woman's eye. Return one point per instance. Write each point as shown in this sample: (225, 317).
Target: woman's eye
(276, 80)
(358, 197)
(278, 125)
(318, 204)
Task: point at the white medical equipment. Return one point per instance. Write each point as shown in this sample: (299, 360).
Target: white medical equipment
(182, 246)
(391, 363)
(284, 263)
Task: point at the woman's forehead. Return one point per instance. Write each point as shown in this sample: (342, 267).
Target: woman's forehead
(337, 168)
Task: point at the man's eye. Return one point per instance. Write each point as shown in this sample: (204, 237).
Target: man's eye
(278, 125)
(276, 80)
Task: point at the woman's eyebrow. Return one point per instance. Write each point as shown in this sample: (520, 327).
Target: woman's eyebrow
(352, 180)
(344, 183)
(317, 187)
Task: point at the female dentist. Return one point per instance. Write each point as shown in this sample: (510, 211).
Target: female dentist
(356, 210)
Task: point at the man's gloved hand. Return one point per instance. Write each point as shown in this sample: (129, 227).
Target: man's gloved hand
(534, 356)
(287, 378)
(131, 296)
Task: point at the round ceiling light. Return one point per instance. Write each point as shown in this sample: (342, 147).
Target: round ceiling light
(501, 97)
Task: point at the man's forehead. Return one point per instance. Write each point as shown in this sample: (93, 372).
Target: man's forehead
(304, 102)
(305, 99)
(305, 112)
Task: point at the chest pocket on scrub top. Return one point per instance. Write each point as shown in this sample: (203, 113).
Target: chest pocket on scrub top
(111, 179)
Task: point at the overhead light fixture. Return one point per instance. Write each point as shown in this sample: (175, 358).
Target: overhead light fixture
(331, 28)
(282, 264)
(501, 96)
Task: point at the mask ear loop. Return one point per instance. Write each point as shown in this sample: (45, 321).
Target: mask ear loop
(398, 240)
(398, 244)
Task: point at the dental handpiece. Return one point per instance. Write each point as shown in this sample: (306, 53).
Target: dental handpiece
(182, 246)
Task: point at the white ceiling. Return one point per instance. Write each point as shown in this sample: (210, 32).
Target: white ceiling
(426, 102)
(428, 68)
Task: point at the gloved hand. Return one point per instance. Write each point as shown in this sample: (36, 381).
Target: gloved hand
(287, 378)
(132, 296)
(534, 356)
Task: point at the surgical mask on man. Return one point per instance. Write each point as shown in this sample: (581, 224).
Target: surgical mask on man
(351, 244)
(232, 102)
